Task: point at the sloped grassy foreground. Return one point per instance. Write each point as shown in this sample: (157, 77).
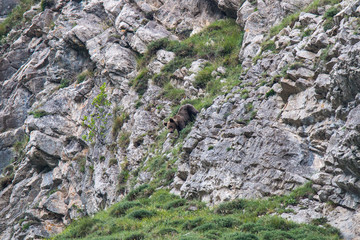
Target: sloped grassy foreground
(150, 214)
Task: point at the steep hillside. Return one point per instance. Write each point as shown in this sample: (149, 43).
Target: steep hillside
(87, 85)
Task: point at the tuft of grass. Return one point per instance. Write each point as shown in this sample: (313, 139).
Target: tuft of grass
(119, 209)
(82, 163)
(270, 93)
(124, 139)
(175, 204)
(112, 162)
(64, 83)
(203, 77)
(135, 236)
(119, 122)
(192, 223)
(172, 93)
(140, 82)
(140, 214)
(38, 113)
(84, 75)
(268, 45)
(140, 192)
(230, 207)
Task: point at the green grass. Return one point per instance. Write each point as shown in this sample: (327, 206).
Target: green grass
(292, 18)
(219, 44)
(38, 113)
(15, 18)
(84, 75)
(161, 215)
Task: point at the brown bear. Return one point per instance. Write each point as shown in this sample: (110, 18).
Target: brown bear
(185, 114)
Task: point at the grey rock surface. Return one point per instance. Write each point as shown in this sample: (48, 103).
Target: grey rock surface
(299, 120)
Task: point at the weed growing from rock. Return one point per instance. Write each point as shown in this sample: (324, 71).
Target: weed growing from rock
(96, 123)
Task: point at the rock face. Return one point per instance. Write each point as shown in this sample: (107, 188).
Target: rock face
(293, 119)
(6, 6)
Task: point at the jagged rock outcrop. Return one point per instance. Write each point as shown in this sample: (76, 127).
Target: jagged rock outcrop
(292, 119)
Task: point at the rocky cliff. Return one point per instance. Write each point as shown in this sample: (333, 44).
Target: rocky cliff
(86, 85)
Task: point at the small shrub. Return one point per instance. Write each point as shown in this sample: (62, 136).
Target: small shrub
(140, 214)
(230, 207)
(205, 227)
(135, 236)
(210, 148)
(276, 234)
(191, 224)
(270, 93)
(175, 204)
(167, 231)
(331, 12)
(140, 192)
(226, 222)
(253, 228)
(240, 236)
(120, 209)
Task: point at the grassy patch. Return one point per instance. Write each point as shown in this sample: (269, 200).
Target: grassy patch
(15, 18)
(124, 139)
(292, 18)
(219, 44)
(64, 83)
(84, 75)
(38, 113)
(160, 215)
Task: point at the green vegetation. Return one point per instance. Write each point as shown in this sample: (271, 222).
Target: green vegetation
(64, 83)
(219, 44)
(15, 18)
(292, 18)
(140, 83)
(46, 4)
(84, 75)
(119, 122)
(82, 163)
(124, 139)
(149, 214)
(97, 122)
(38, 113)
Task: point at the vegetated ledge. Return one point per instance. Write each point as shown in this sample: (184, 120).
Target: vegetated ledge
(146, 213)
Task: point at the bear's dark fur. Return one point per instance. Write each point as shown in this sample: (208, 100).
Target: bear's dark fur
(185, 114)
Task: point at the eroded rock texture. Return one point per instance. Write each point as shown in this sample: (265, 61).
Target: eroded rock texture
(297, 120)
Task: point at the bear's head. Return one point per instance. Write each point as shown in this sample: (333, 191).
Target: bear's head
(171, 125)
